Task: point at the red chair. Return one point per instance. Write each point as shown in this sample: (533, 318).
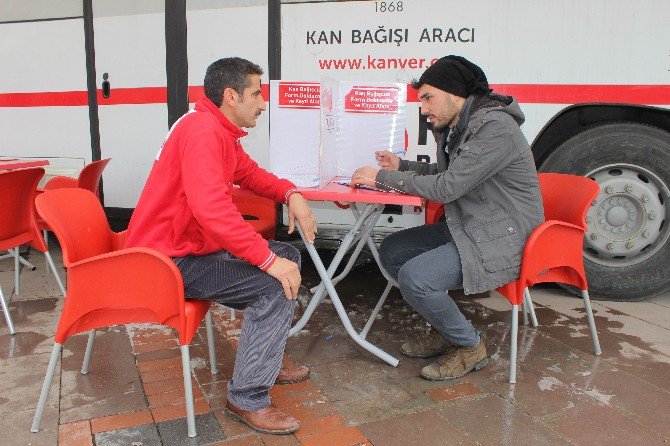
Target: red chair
(18, 221)
(89, 179)
(260, 212)
(554, 250)
(108, 285)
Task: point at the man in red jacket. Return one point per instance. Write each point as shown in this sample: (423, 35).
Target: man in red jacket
(186, 211)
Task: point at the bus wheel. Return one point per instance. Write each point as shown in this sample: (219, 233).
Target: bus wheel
(627, 248)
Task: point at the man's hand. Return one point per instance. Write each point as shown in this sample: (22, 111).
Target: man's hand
(298, 208)
(365, 176)
(288, 274)
(387, 160)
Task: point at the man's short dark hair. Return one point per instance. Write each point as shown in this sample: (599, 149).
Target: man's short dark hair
(230, 72)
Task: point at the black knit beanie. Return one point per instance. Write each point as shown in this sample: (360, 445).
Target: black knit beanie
(455, 75)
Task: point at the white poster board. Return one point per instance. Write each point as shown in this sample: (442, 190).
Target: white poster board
(327, 130)
(294, 131)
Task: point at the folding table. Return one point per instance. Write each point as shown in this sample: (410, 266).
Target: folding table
(372, 203)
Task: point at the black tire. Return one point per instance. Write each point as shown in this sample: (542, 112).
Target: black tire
(637, 149)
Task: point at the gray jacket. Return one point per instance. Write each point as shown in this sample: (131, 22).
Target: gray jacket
(490, 192)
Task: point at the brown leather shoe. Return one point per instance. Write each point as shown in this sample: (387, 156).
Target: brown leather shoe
(268, 420)
(290, 374)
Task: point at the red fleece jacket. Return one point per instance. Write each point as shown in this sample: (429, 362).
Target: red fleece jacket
(186, 206)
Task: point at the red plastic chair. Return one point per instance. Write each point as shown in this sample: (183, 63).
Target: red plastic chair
(89, 179)
(108, 285)
(260, 212)
(554, 250)
(18, 222)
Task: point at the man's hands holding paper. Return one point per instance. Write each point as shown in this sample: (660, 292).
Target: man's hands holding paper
(387, 160)
(300, 210)
(366, 175)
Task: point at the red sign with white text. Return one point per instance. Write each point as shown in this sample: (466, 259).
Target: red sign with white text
(299, 95)
(372, 100)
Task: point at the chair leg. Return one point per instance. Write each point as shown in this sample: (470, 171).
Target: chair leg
(55, 353)
(232, 314)
(8, 317)
(188, 390)
(16, 270)
(592, 322)
(524, 310)
(45, 234)
(529, 305)
(89, 350)
(55, 271)
(513, 340)
(376, 311)
(210, 343)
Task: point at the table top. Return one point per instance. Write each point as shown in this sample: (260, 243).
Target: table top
(337, 192)
(20, 163)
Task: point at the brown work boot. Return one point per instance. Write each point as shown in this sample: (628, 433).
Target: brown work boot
(292, 374)
(268, 420)
(432, 345)
(456, 362)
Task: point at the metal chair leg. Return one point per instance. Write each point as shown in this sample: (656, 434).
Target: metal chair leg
(592, 322)
(233, 316)
(210, 343)
(16, 270)
(5, 310)
(530, 306)
(524, 310)
(55, 272)
(513, 339)
(45, 234)
(188, 390)
(55, 353)
(89, 350)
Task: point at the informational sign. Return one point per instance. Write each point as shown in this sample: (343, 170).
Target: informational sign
(294, 131)
(314, 139)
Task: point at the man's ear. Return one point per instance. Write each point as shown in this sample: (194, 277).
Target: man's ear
(230, 96)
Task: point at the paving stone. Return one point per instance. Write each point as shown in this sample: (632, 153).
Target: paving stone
(75, 434)
(319, 426)
(121, 421)
(600, 424)
(418, 429)
(349, 436)
(494, 420)
(231, 427)
(112, 385)
(175, 432)
(146, 435)
(178, 411)
(460, 390)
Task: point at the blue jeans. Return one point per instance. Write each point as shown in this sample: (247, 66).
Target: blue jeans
(426, 264)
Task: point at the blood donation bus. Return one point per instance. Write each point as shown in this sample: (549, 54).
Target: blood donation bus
(82, 80)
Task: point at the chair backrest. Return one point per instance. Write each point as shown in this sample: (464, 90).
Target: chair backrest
(124, 286)
(89, 178)
(567, 197)
(18, 222)
(78, 220)
(260, 211)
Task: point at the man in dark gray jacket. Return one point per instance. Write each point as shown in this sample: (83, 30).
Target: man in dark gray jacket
(486, 177)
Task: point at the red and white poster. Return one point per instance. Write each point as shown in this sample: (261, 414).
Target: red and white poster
(362, 99)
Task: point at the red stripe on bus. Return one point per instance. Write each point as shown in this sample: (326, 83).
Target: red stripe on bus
(524, 93)
(575, 94)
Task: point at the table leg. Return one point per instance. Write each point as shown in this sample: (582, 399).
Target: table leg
(325, 276)
(320, 292)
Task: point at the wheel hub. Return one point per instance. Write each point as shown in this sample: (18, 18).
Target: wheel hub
(626, 220)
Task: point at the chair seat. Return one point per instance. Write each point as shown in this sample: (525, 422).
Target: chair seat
(195, 311)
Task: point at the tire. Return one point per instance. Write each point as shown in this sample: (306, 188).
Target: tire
(627, 248)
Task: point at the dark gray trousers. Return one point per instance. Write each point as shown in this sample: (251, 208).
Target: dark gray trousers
(426, 264)
(223, 278)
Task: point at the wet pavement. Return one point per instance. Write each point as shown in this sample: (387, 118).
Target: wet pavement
(133, 395)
